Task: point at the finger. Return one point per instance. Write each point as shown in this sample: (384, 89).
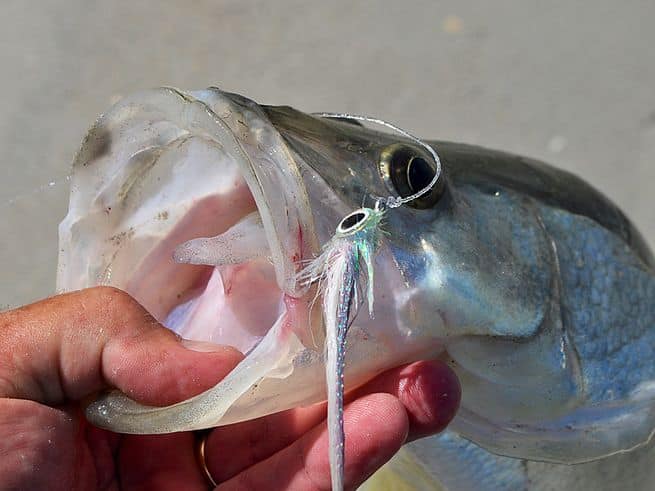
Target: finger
(73, 345)
(375, 425)
(159, 462)
(33, 441)
(231, 449)
(429, 391)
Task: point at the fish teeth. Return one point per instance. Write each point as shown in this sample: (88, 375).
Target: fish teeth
(243, 242)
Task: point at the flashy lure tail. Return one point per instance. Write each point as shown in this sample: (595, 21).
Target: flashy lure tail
(337, 300)
(342, 271)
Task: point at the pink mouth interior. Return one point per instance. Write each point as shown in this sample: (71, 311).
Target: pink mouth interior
(233, 304)
(236, 307)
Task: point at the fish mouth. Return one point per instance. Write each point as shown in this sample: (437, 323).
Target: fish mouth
(192, 203)
(247, 280)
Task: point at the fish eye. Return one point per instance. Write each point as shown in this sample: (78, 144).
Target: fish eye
(352, 221)
(406, 170)
(419, 173)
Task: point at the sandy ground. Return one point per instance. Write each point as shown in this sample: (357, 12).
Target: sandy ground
(571, 84)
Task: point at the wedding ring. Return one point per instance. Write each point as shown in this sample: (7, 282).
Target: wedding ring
(201, 440)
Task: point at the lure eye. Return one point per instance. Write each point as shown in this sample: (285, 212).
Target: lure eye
(406, 170)
(352, 222)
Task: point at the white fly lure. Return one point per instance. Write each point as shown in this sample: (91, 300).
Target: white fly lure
(343, 271)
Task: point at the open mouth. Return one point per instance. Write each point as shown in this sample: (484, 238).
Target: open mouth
(203, 178)
(232, 259)
(193, 204)
(236, 299)
(242, 281)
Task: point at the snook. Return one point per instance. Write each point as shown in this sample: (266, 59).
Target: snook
(533, 285)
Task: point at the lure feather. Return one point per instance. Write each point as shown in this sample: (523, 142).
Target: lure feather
(344, 269)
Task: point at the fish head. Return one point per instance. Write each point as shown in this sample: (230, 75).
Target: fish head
(479, 273)
(470, 270)
(196, 205)
(206, 206)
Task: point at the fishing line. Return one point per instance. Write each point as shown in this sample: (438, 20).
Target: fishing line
(342, 271)
(395, 201)
(37, 190)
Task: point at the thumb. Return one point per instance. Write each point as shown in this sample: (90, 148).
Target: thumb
(70, 346)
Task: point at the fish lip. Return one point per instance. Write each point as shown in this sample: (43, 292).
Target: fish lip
(273, 177)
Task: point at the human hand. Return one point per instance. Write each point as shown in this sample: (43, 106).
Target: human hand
(57, 353)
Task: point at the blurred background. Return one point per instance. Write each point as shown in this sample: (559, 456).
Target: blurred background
(571, 83)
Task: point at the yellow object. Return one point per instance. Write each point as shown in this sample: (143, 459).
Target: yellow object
(401, 473)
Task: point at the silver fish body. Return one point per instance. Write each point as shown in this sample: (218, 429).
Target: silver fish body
(546, 296)
(534, 286)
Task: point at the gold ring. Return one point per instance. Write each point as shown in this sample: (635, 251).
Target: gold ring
(201, 439)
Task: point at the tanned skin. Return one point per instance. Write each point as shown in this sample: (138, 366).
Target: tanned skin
(56, 354)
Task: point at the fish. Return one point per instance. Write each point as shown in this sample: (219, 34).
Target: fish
(537, 290)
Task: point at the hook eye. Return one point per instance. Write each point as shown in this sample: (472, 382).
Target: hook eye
(353, 221)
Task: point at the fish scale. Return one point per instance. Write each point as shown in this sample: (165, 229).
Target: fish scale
(612, 320)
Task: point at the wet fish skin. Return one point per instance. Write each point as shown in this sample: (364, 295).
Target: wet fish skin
(591, 349)
(519, 275)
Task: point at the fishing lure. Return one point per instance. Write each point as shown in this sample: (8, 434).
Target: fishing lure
(343, 271)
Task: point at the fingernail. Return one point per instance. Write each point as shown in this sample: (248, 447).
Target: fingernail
(202, 346)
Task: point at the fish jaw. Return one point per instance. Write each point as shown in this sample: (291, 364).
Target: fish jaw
(164, 169)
